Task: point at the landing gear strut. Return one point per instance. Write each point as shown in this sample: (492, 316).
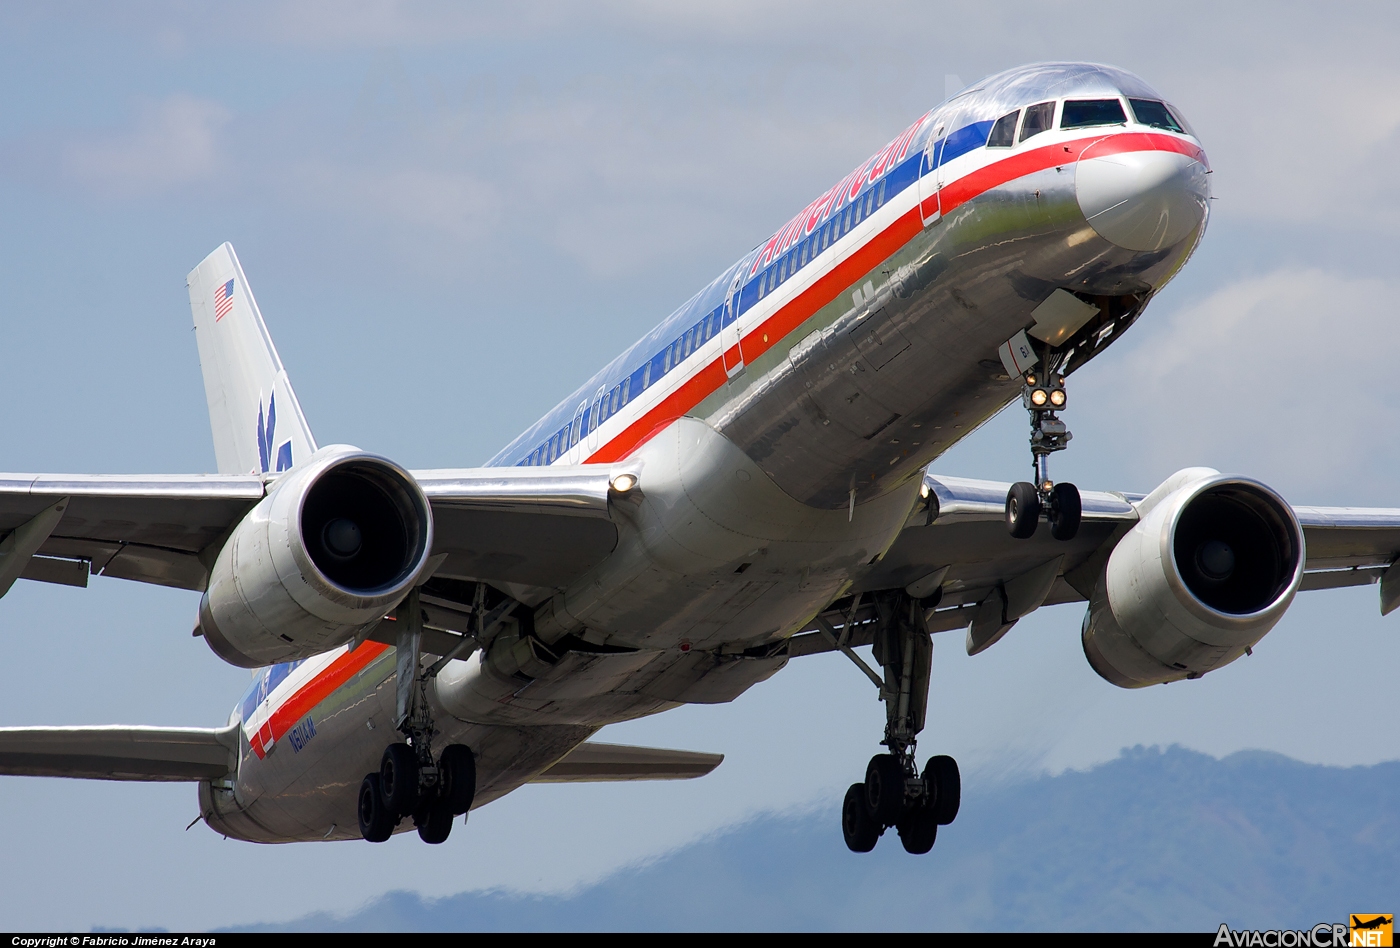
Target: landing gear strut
(410, 781)
(894, 792)
(1043, 394)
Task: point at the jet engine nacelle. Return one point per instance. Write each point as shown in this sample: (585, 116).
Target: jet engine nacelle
(1209, 569)
(337, 543)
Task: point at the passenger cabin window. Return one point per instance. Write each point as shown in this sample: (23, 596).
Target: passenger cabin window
(1087, 113)
(1039, 118)
(1154, 114)
(1004, 131)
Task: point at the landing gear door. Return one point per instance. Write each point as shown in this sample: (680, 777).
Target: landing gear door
(929, 179)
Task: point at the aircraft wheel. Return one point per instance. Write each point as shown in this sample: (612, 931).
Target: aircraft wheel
(1022, 510)
(398, 779)
(884, 789)
(457, 770)
(944, 781)
(376, 820)
(436, 824)
(918, 829)
(857, 826)
(1065, 511)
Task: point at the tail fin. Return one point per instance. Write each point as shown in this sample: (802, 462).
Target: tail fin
(248, 390)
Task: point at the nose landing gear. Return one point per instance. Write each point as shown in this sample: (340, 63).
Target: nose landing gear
(1044, 395)
(894, 792)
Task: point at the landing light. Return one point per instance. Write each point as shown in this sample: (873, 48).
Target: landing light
(624, 482)
(1057, 398)
(1038, 397)
(1030, 378)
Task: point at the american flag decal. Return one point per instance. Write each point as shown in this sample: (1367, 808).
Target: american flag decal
(223, 300)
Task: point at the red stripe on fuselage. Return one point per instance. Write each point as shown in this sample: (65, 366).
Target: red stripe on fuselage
(709, 377)
(300, 703)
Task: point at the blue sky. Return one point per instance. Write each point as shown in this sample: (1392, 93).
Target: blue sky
(452, 214)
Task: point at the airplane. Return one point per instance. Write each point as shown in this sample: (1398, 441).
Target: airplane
(745, 485)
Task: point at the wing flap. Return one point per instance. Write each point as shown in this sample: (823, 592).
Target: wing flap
(120, 752)
(594, 762)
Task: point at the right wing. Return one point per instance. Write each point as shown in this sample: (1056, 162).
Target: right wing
(989, 579)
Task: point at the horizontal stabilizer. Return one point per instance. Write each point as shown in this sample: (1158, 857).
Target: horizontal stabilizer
(590, 762)
(119, 752)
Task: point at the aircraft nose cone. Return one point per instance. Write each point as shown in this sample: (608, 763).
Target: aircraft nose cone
(1142, 200)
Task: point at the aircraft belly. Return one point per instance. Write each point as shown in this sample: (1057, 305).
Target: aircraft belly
(903, 365)
(713, 554)
(291, 796)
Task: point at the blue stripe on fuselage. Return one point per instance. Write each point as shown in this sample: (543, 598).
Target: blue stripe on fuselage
(630, 374)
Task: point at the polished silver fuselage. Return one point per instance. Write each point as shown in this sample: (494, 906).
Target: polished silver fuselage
(768, 495)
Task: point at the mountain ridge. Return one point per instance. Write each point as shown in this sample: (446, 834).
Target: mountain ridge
(1154, 840)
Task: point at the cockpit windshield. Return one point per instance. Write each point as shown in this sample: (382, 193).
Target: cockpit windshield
(1004, 131)
(1039, 118)
(1086, 113)
(1154, 114)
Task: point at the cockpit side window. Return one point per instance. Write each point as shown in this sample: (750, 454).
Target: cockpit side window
(1180, 119)
(1086, 113)
(1039, 118)
(1154, 114)
(1004, 131)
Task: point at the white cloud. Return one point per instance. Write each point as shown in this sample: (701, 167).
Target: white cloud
(1287, 376)
(174, 142)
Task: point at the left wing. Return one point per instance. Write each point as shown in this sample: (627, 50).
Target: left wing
(527, 530)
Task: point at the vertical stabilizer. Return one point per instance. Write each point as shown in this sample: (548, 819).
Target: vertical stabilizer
(258, 425)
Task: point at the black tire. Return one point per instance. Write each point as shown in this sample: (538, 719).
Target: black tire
(861, 832)
(918, 830)
(1022, 510)
(435, 824)
(398, 779)
(944, 782)
(1065, 511)
(884, 789)
(376, 821)
(457, 770)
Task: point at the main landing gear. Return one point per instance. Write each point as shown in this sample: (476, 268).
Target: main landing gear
(410, 781)
(895, 793)
(433, 795)
(1043, 394)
